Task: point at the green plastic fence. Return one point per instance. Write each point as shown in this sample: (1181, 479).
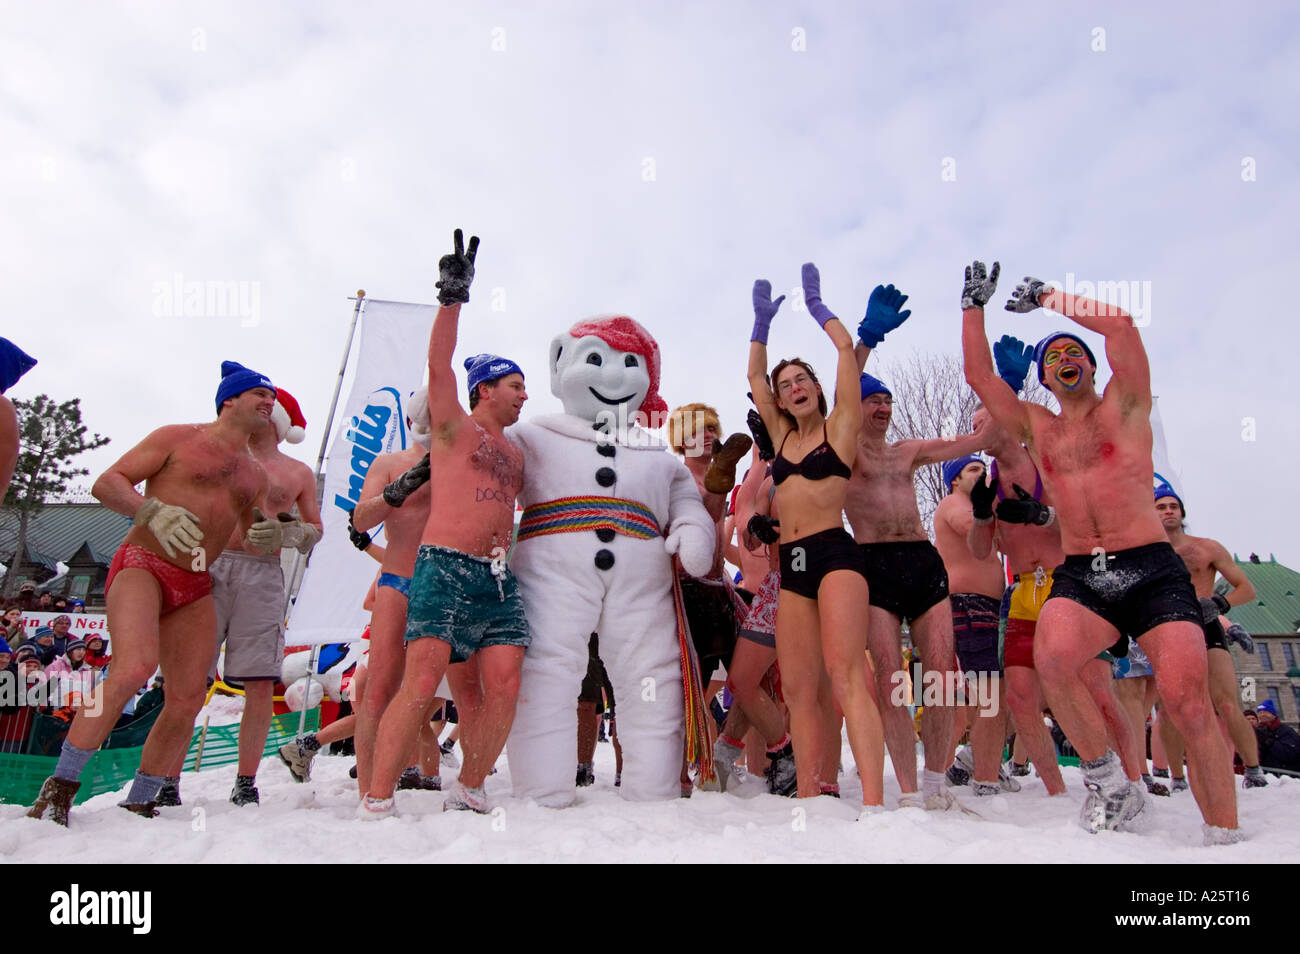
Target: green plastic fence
(109, 769)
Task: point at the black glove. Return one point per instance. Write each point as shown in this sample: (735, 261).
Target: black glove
(456, 271)
(360, 539)
(1025, 509)
(395, 494)
(1237, 634)
(762, 439)
(764, 529)
(1212, 607)
(982, 496)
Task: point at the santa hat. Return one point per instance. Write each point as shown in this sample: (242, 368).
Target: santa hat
(624, 334)
(417, 412)
(287, 417)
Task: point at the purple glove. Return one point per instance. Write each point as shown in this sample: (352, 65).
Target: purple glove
(764, 310)
(812, 294)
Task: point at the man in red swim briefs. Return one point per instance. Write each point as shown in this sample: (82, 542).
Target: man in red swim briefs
(201, 481)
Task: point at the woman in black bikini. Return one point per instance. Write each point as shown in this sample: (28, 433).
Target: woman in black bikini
(821, 619)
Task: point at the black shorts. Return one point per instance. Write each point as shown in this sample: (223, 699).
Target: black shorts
(1215, 638)
(711, 616)
(975, 631)
(596, 678)
(1139, 588)
(806, 561)
(906, 579)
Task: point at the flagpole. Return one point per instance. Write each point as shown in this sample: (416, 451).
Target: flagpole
(294, 575)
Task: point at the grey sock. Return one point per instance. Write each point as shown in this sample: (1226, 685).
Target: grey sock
(71, 761)
(144, 788)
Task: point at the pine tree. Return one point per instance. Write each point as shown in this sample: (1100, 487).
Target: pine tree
(50, 435)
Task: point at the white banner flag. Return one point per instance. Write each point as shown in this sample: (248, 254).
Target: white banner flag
(390, 364)
(1165, 473)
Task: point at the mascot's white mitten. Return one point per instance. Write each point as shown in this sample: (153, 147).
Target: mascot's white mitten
(693, 545)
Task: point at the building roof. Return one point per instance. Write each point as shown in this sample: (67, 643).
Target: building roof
(58, 531)
(1275, 611)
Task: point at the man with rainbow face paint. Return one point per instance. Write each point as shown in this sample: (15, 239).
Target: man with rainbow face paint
(1120, 573)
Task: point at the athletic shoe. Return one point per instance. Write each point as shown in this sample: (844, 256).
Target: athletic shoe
(447, 756)
(962, 769)
(375, 809)
(1154, 787)
(985, 789)
(1160, 773)
(462, 799)
(781, 777)
(55, 800)
(869, 810)
(244, 792)
(169, 796)
(724, 766)
(412, 779)
(911, 800)
(586, 775)
(1178, 785)
(942, 801)
(1020, 769)
(1005, 781)
(1254, 778)
(298, 760)
(1215, 835)
(1112, 799)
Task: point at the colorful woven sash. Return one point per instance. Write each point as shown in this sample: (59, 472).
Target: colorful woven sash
(574, 514)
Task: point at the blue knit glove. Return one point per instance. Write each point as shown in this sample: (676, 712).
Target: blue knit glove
(764, 310)
(1013, 358)
(812, 295)
(883, 314)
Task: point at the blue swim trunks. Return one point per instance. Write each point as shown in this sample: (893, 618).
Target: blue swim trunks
(467, 601)
(394, 582)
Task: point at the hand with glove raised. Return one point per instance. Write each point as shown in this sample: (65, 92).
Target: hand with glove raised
(456, 271)
(982, 496)
(1024, 509)
(764, 529)
(979, 285)
(1013, 358)
(395, 494)
(812, 294)
(175, 528)
(883, 315)
(765, 310)
(1025, 298)
(762, 439)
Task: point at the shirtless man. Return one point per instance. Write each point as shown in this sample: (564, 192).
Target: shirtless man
(403, 527)
(248, 591)
(13, 365)
(976, 585)
(1204, 558)
(464, 602)
(904, 571)
(202, 482)
(1120, 574)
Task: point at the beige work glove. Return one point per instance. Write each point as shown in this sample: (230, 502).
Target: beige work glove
(175, 528)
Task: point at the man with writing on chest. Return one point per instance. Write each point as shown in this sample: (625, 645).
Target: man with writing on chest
(1120, 574)
(464, 602)
(201, 482)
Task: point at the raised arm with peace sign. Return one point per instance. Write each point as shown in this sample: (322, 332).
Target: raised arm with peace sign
(456, 271)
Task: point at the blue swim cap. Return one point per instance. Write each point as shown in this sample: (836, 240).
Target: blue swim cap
(1040, 350)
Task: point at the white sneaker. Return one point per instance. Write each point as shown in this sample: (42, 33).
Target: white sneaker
(942, 801)
(462, 799)
(375, 809)
(1214, 835)
(911, 800)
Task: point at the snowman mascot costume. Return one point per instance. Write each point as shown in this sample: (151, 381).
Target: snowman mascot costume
(606, 507)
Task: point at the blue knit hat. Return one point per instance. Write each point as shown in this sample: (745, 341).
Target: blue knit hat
(870, 386)
(1164, 490)
(489, 367)
(4, 646)
(1040, 350)
(236, 379)
(14, 363)
(1267, 706)
(954, 467)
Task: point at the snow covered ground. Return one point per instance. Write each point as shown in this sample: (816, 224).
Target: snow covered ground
(314, 823)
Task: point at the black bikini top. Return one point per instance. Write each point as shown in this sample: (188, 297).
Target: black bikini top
(1002, 495)
(821, 462)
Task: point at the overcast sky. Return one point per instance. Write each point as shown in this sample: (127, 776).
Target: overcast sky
(655, 160)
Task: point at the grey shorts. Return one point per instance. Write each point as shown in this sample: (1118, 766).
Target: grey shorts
(248, 590)
(458, 598)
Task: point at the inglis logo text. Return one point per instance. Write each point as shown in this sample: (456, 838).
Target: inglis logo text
(379, 429)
